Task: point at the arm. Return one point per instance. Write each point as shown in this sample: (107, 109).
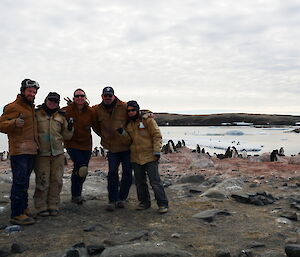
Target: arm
(155, 134)
(96, 124)
(8, 119)
(67, 134)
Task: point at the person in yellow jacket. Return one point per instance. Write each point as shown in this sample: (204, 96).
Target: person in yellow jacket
(53, 129)
(144, 137)
(19, 123)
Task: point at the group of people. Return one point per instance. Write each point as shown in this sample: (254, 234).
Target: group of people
(37, 138)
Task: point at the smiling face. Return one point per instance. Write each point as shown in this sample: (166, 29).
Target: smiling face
(79, 97)
(52, 104)
(131, 111)
(108, 98)
(29, 93)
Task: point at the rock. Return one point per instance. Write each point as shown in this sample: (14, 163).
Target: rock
(77, 250)
(202, 163)
(126, 237)
(246, 253)
(195, 190)
(214, 193)
(145, 249)
(223, 253)
(209, 215)
(193, 179)
(175, 235)
(90, 228)
(241, 198)
(291, 240)
(292, 250)
(72, 253)
(290, 215)
(256, 245)
(4, 251)
(18, 248)
(284, 221)
(95, 249)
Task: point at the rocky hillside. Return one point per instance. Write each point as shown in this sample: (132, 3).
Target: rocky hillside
(170, 119)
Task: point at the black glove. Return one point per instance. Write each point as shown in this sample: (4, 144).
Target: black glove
(70, 124)
(120, 130)
(157, 155)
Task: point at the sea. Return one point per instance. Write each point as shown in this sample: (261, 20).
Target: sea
(216, 139)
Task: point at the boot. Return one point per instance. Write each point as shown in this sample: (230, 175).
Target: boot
(22, 220)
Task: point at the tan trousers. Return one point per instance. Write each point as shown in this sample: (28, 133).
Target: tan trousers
(48, 177)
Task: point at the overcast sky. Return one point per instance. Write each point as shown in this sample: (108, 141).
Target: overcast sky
(179, 56)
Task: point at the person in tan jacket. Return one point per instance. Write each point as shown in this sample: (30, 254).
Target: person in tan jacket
(144, 137)
(19, 123)
(111, 114)
(79, 147)
(53, 129)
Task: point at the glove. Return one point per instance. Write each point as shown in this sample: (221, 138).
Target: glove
(120, 130)
(157, 155)
(20, 121)
(70, 124)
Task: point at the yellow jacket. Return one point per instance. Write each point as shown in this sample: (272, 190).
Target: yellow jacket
(107, 123)
(52, 131)
(144, 138)
(22, 140)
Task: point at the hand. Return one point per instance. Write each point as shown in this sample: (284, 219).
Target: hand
(120, 130)
(68, 100)
(157, 155)
(70, 124)
(20, 121)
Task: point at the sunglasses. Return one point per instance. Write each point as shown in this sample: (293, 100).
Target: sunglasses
(108, 95)
(79, 96)
(32, 83)
(54, 100)
(131, 110)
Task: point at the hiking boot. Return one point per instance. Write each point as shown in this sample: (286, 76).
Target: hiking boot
(22, 220)
(77, 199)
(43, 213)
(120, 204)
(163, 209)
(53, 212)
(29, 213)
(110, 206)
(143, 206)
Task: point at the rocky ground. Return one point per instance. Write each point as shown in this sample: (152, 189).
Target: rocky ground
(229, 207)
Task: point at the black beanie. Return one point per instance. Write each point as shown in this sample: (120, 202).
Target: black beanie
(133, 104)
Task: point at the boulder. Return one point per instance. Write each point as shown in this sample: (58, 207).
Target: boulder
(209, 215)
(292, 250)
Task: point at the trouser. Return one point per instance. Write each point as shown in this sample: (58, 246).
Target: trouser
(80, 158)
(118, 191)
(21, 166)
(48, 178)
(150, 169)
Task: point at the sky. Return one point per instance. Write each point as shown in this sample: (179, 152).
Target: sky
(190, 57)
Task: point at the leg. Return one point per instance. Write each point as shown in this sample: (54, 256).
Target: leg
(156, 183)
(141, 184)
(126, 180)
(80, 158)
(113, 176)
(56, 181)
(42, 178)
(21, 166)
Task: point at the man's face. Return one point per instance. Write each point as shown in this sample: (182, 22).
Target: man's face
(29, 93)
(52, 104)
(131, 111)
(108, 98)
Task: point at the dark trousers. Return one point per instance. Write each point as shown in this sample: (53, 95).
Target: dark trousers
(21, 166)
(118, 191)
(80, 158)
(140, 174)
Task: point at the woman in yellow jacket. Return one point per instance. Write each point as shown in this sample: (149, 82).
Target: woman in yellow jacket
(144, 137)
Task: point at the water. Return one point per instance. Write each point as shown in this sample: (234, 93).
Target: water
(217, 139)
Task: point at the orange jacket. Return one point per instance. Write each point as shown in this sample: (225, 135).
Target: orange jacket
(107, 124)
(22, 140)
(83, 122)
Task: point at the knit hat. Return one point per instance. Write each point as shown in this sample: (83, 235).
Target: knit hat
(53, 96)
(133, 104)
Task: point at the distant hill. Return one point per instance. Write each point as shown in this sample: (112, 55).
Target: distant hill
(169, 119)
